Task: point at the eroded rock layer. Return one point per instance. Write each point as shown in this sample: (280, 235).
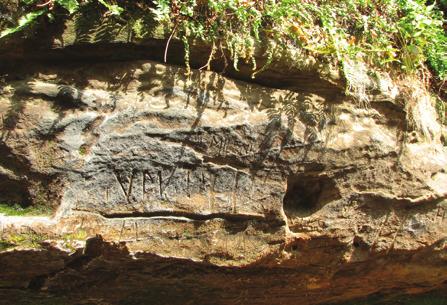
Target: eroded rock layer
(213, 190)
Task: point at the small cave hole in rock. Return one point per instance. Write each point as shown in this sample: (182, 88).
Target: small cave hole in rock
(305, 195)
(67, 96)
(14, 192)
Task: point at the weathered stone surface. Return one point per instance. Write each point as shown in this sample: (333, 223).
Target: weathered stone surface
(217, 188)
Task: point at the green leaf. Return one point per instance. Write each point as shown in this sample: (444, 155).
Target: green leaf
(70, 5)
(24, 21)
(50, 17)
(113, 8)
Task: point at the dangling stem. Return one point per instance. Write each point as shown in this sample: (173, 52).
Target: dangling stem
(169, 41)
(49, 2)
(210, 58)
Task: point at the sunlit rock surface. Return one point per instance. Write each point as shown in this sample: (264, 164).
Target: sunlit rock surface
(211, 190)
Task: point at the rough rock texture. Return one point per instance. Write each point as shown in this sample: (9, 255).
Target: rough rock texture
(215, 191)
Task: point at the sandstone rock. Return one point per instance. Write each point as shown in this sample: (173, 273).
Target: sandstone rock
(215, 190)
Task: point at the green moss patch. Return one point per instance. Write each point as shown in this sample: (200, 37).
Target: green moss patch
(17, 210)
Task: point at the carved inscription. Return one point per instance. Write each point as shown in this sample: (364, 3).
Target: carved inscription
(121, 231)
(224, 144)
(224, 188)
(441, 214)
(234, 197)
(127, 191)
(379, 231)
(148, 183)
(399, 229)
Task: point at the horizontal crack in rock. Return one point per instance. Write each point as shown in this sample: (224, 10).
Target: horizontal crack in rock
(418, 200)
(190, 215)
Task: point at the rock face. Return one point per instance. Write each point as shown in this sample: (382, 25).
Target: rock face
(213, 190)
